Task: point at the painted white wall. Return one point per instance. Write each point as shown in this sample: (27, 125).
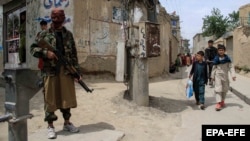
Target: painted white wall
(201, 44)
(120, 61)
(137, 14)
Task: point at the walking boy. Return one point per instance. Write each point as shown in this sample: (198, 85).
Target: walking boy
(200, 78)
(222, 65)
(210, 53)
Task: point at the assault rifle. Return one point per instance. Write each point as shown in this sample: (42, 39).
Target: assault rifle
(43, 44)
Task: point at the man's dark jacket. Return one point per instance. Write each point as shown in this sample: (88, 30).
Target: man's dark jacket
(210, 53)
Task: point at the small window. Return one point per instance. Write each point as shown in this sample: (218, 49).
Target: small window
(174, 23)
(15, 36)
(174, 32)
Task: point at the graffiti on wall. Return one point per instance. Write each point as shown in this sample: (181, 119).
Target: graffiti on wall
(142, 39)
(81, 39)
(40, 10)
(48, 4)
(104, 37)
(81, 43)
(119, 15)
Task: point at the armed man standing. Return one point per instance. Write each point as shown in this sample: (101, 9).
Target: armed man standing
(210, 53)
(59, 88)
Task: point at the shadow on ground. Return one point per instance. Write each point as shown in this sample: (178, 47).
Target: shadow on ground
(167, 105)
(89, 128)
(209, 101)
(162, 103)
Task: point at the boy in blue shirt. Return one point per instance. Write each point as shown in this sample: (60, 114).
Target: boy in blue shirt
(200, 78)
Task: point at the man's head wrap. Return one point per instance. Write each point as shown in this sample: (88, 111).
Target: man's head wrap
(58, 17)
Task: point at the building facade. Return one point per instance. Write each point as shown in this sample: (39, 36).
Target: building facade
(241, 39)
(102, 32)
(200, 42)
(185, 46)
(175, 42)
(228, 40)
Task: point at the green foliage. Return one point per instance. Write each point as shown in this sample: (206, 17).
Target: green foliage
(215, 24)
(234, 20)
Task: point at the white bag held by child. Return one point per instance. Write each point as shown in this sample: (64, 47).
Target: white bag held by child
(189, 89)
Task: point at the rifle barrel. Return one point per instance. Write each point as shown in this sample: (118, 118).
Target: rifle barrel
(85, 86)
(43, 44)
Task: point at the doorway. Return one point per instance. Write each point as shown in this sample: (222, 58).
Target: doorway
(15, 34)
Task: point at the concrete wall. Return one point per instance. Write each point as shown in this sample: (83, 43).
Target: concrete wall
(241, 40)
(219, 41)
(176, 28)
(96, 35)
(185, 46)
(1, 38)
(241, 50)
(160, 65)
(244, 14)
(229, 46)
(175, 48)
(168, 37)
(200, 42)
(196, 40)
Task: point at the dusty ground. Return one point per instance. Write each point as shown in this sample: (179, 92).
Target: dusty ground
(170, 116)
(106, 108)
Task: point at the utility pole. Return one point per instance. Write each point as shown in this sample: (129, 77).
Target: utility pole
(139, 84)
(143, 43)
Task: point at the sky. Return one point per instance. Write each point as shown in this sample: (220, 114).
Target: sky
(191, 12)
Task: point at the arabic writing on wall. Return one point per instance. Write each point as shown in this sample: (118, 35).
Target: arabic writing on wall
(48, 4)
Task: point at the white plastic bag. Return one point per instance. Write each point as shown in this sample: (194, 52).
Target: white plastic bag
(189, 89)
